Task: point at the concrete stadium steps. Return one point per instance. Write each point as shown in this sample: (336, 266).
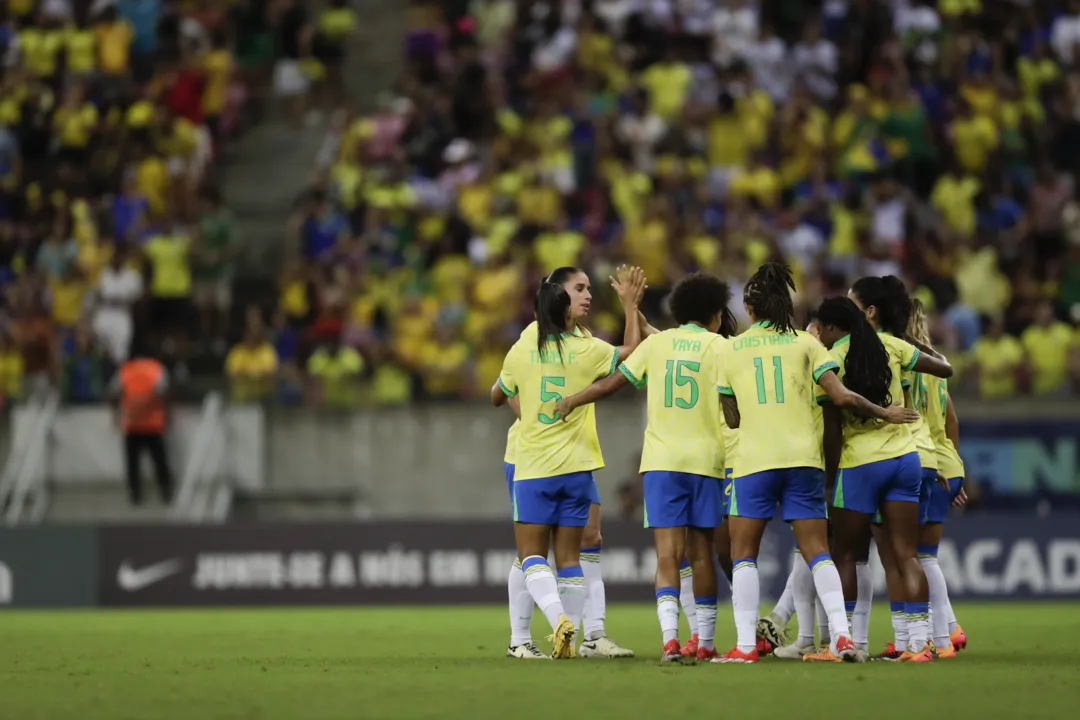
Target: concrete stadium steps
(103, 502)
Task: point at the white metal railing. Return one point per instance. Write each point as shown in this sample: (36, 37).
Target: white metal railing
(205, 493)
(24, 480)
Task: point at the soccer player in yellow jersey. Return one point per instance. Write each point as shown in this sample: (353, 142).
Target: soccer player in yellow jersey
(878, 465)
(767, 378)
(937, 497)
(553, 475)
(683, 459)
(595, 643)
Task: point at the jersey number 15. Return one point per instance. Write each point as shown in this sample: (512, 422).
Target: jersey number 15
(679, 373)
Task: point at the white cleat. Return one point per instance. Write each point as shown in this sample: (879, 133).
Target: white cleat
(603, 647)
(794, 651)
(526, 651)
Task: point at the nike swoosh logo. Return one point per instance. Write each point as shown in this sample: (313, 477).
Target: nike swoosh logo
(132, 580)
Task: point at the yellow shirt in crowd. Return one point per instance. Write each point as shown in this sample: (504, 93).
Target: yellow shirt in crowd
(997, 362)
(1048, 353)
(170, 265)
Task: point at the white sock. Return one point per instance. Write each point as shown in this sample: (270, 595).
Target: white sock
(521, 606)
(667, 611)
(746, 597)
(917, 624)
(940, 607)
(803, 595)
(831, 591)
(860, 620)
(899, 625)
(785, 606)
(544, 589)
(706, 621)
(686, 596)
(595, 597)
(822, 622)
(571, 582)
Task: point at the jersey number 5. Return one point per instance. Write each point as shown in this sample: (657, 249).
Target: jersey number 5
(550, 396)
(778, 379)
(676, 375)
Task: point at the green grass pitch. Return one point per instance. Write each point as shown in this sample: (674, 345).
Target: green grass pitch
(301, 664)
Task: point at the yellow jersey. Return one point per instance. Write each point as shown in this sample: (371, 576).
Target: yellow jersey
(1048, 352)
(773, 376)
(997, 361)
(917, 387)
(937, 404)
(869, 440)
(547, 446)
(685, 424)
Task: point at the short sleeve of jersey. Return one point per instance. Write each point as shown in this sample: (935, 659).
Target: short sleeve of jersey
(636, 367)
(508, 378)
(604, 356)
(723, 382)
(909, 355)
(905, 379)
(836, 357)
(820, 359)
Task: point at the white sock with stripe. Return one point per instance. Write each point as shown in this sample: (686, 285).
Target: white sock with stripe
(521, 606)
(667, 612)
(831, 591)
(571, 584)
(595, 595)
(543, 588)
(706, 621)
(746, 597)
(940, 606)
(899, 625)
(686, 595)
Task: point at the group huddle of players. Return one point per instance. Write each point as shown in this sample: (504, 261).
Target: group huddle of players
(846, 430)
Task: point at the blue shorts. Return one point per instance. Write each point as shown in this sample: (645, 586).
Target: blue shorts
(799, 491)
(935, 501)
(508, 471)
(864, 487)
(676, 499)
(729, 475)
(562, 500)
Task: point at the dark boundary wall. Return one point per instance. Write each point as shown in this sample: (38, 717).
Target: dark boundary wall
(989, 556)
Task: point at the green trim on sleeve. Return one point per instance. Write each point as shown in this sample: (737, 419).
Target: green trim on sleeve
(823, 399)
(824, 368)
(631, 377)
(725, 390)
(905, 383)
(914, 359)
(507, 391)
(614, 362)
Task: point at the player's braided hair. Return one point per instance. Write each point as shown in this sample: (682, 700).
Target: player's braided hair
(918, 327)
(768, 295)
(866, 366)
(551, 305)
(699, 297)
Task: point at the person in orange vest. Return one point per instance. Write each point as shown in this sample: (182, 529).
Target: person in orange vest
(138, 391)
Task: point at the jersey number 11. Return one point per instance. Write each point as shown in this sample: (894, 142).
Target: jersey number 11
(778, 379)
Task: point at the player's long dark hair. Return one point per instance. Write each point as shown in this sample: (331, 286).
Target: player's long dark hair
(866, 366)
(551, 305)
(699, 297)
(768, 295)
(891, 299)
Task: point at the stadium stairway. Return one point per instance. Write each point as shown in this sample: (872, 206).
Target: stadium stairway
(104, 502)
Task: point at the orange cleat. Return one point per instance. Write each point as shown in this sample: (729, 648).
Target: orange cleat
(735, 655)
(691, 647)
(948, 653)
(923, 656)
(824, 655)
(958, 638)
(891, 654)
(672, 653)
(765, 646)
(704, 654)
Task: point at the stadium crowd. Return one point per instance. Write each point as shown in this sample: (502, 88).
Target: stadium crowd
(113, 118)
(935, 141)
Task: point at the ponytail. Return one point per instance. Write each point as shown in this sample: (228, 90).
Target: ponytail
(866, 365)
(768, 295)
(551, 305)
